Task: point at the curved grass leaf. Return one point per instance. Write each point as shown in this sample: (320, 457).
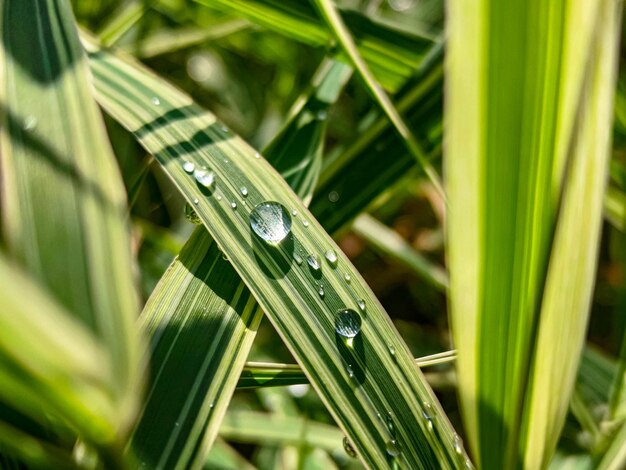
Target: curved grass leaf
(392, 55)
(529, 108)
(63, 202)
(201, 292)
(357, 383)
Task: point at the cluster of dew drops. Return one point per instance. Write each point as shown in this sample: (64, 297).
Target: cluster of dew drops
(272, 222)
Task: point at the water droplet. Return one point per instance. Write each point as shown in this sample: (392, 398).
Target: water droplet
(427, 414)
(205, 178)
(361, 304)
(331, 257)
(333, 196)
(191, 215)
(468, 463)
(189, 167)
(321, 115)
(347, 323)
(392, 350)
(30, 122)
(211, 405)
(156, 101)
(392, 448)
(195, 201)
(314, 262)
(233, 205)
(458, 444)
(298, 258)
(389, 423)
(257, 155)
(349, 370)
(347, 278)
(271, 222)
(294, 213)
(321, 291)
(227, 161)
(225, 129)
(244, 191)
(348, 448)
(219, 198)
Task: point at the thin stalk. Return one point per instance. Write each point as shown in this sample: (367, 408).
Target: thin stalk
(334, 21)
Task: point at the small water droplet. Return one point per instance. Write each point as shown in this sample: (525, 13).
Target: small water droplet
(205, 178)
(347, 278)
(189, 167)
(321, 291)
(321, 115)
(314, 262)
(427, 414)
(219, 198)
(392, 350)
(211, 405)
(225, 129)
(244, 191)
(257, 155)
(195, 201)
(227, 161)
(361, 304)
(271, 222)
(191, 215)
(347, 323)
(392, 448)
(298, 258)
(331, 257)
(30, 122)
(348, 448)
(176, 424)
(389, 423)
(156, 101)
(458, 444)
(294, 213)
(349, 370)
(305, 222)
(333, 196)
(233, 205)
(468, 463)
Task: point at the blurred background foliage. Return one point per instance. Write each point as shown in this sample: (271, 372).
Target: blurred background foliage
(249, 77)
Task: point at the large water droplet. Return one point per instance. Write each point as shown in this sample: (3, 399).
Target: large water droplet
(205, 178)
(189, 167)
(314, 262)
(331, 257)
(392, 448)
(347, 323)
(348, 448)
(271, 222)
(156, 101)
(191, 215)
(244, 191)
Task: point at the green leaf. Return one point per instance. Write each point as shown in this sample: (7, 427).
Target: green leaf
(530, 92)
(63, 201)
(274, 429)
(392, 55)
(173, 129)
(201, 292)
